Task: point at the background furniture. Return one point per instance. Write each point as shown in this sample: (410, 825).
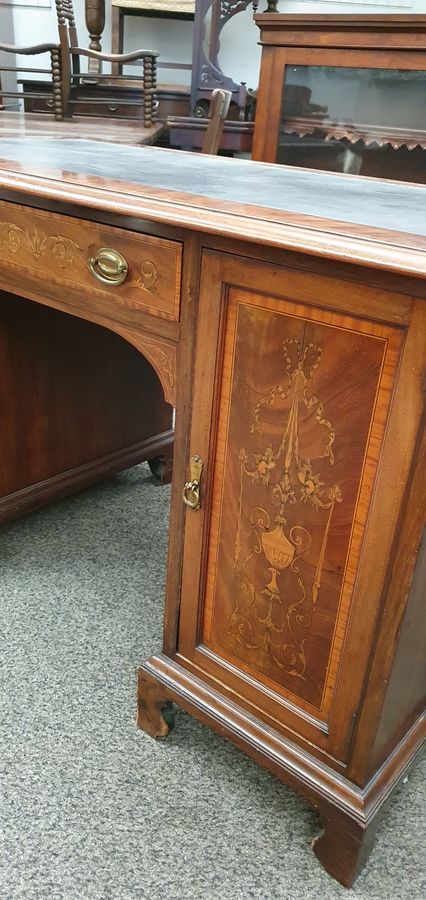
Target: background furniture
(210, 18)
(111, 131)
(294, 621)
(72, 77)
(166, 9)
(188, 132)
(102, 99)
(219, 106)
(108, 96)
(210, 130)
(8, 64)
(343, 93)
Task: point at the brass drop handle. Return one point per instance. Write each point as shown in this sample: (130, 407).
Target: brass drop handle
(191, 490)
(109, 266)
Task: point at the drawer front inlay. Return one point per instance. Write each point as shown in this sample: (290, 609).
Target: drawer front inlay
(61, 249)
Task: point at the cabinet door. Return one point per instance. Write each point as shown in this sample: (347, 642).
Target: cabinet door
(285, 559)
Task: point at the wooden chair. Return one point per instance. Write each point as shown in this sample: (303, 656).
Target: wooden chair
(218, 111)
(55, 72)
(212, 126)
(72, 77)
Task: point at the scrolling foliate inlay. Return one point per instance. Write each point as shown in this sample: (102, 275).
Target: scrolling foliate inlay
(148, 274)
(15, 239)
(264, 618)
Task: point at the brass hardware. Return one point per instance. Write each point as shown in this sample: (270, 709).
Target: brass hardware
(191, 490)
(113, 107)
(109, 266)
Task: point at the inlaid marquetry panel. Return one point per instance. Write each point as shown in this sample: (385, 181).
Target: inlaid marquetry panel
(59, 249)
(303, 403)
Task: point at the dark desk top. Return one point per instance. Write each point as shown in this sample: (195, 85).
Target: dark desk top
(362, 220)
(363, 201)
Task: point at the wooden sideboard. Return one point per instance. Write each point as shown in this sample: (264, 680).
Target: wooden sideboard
(286, 324)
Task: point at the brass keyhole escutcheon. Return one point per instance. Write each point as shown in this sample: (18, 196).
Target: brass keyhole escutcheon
(109, 266)
(191, 490)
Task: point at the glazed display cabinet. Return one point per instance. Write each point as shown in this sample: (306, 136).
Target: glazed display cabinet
(343, 94)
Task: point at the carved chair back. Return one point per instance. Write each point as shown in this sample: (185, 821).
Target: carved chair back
(66, 18)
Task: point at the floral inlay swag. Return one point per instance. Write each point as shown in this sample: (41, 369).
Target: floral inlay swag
(263, 618)
(14, 238)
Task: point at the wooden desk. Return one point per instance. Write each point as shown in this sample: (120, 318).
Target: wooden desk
(286, 323)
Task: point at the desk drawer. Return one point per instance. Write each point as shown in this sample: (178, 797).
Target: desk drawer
(66, 251)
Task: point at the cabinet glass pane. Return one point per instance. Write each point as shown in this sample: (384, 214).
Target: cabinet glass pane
(361, 121)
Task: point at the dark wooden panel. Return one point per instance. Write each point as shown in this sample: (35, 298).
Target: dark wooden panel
(171, 101)
(406, 694)
(70, 392)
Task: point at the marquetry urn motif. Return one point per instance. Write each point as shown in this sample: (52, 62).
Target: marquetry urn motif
(288, 478)
(300, 396)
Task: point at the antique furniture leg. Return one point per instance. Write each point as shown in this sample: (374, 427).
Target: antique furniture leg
(343, 847)
(155, 709)
(162, 466)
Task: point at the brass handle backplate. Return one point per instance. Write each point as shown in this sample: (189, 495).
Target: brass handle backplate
(191, 490)
(109, 266)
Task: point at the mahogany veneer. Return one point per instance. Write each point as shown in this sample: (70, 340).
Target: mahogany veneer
(294, 621)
